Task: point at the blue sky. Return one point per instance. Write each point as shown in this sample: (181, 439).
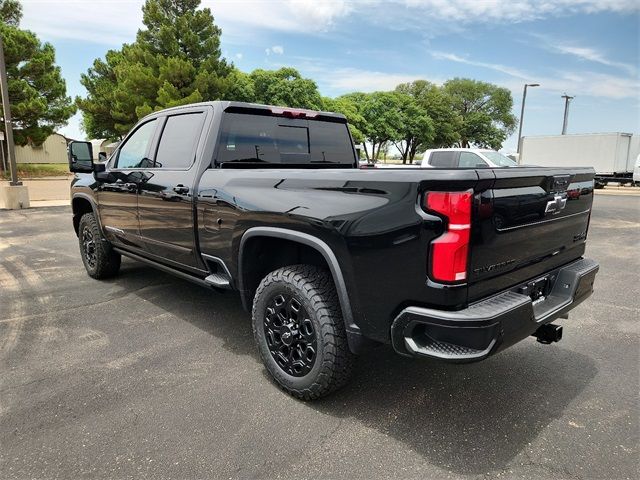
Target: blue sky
(587, 48)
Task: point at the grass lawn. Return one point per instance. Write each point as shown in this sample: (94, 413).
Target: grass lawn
(35, 170)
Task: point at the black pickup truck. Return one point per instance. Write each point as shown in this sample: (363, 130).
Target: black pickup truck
(331, 259)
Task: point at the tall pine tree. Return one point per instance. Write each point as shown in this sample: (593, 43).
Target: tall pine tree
(175, 60)
(37, 91)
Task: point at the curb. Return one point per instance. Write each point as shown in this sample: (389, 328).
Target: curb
(635, 192)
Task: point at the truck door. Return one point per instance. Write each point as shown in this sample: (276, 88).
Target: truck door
(165, 196)
(118, 195)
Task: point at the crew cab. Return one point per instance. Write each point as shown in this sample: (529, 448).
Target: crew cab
(441, 263)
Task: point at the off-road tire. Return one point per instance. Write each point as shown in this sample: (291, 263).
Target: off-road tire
(103, 262)
(315, 291)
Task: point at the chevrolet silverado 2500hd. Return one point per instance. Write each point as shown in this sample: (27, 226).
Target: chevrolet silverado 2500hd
(449, 264)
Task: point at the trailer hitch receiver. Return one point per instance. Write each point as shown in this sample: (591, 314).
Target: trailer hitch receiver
(548, 333)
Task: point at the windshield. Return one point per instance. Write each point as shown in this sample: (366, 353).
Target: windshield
(499, 159)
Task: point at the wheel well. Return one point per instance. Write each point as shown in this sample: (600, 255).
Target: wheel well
(80, 206)
(261, 255)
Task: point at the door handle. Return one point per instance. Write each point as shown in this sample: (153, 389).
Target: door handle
(132, 187)
(181, 189)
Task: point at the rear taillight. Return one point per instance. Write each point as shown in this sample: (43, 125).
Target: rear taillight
(449, 252)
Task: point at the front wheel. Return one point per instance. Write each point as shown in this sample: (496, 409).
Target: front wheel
(98, 257)
(298, 326)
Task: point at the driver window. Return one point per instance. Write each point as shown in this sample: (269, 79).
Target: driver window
(133, 153)
(470, 160)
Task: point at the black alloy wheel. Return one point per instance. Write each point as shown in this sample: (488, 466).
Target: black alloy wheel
(290, 335)
(300, 332)
(98, 256)
(89, 247)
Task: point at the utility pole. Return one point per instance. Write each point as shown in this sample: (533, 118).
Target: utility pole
(524, 99)
(15, 195)
(4, 160)
(565, 122)
(8, 129)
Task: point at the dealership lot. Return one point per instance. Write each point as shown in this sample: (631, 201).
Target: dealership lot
(147, 375)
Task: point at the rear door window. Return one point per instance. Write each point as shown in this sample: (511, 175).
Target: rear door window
(179, 140)
(444, 159)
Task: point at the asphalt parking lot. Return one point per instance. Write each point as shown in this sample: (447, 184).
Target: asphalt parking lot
(147, 375)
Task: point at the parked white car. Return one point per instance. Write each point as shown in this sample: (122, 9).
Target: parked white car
(465, 158)
(636, 172)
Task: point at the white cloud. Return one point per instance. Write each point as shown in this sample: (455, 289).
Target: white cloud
(514, 72)
(239, 56)
(294, 16)
(580, 83)
(276, 50)
(107, 22)
(342, 80)
(589, 54)
(514, 11)
(112, 22)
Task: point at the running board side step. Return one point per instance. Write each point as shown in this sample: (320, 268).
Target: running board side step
(218, 280)
(220, 277)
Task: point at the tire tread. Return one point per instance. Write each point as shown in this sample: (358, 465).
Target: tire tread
(108, 261)
(338, 361)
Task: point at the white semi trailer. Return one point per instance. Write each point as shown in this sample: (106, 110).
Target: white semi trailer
(612, 155)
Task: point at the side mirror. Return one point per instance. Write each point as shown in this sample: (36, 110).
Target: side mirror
(80, 157)
(100, 173)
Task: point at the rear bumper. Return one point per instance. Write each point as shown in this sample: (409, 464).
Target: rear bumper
(493, 324)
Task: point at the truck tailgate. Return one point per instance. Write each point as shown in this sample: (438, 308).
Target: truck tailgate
(529, 221)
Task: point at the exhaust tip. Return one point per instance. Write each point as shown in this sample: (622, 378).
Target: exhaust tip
(548, 333)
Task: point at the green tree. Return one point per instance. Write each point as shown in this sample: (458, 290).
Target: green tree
(484, 111)
(416, 127)
(285, 87)
(381, 120)
(241, 87)
(347, 106)
(10, 12)
(175, 60)
(97, 109)
(37, 91)
(437, 104)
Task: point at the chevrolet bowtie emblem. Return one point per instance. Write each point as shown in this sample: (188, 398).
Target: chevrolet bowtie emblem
(554, 206)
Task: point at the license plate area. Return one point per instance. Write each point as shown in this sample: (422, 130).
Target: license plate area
(537, 290)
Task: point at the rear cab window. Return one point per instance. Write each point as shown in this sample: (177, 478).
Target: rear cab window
(265, 140)
(446, 159)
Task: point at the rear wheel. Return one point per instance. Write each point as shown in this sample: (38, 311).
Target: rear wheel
(298, 326)
(98, 257)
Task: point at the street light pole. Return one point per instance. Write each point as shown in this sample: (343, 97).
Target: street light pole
(524, 99)
(8, 129)
(565, 121)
